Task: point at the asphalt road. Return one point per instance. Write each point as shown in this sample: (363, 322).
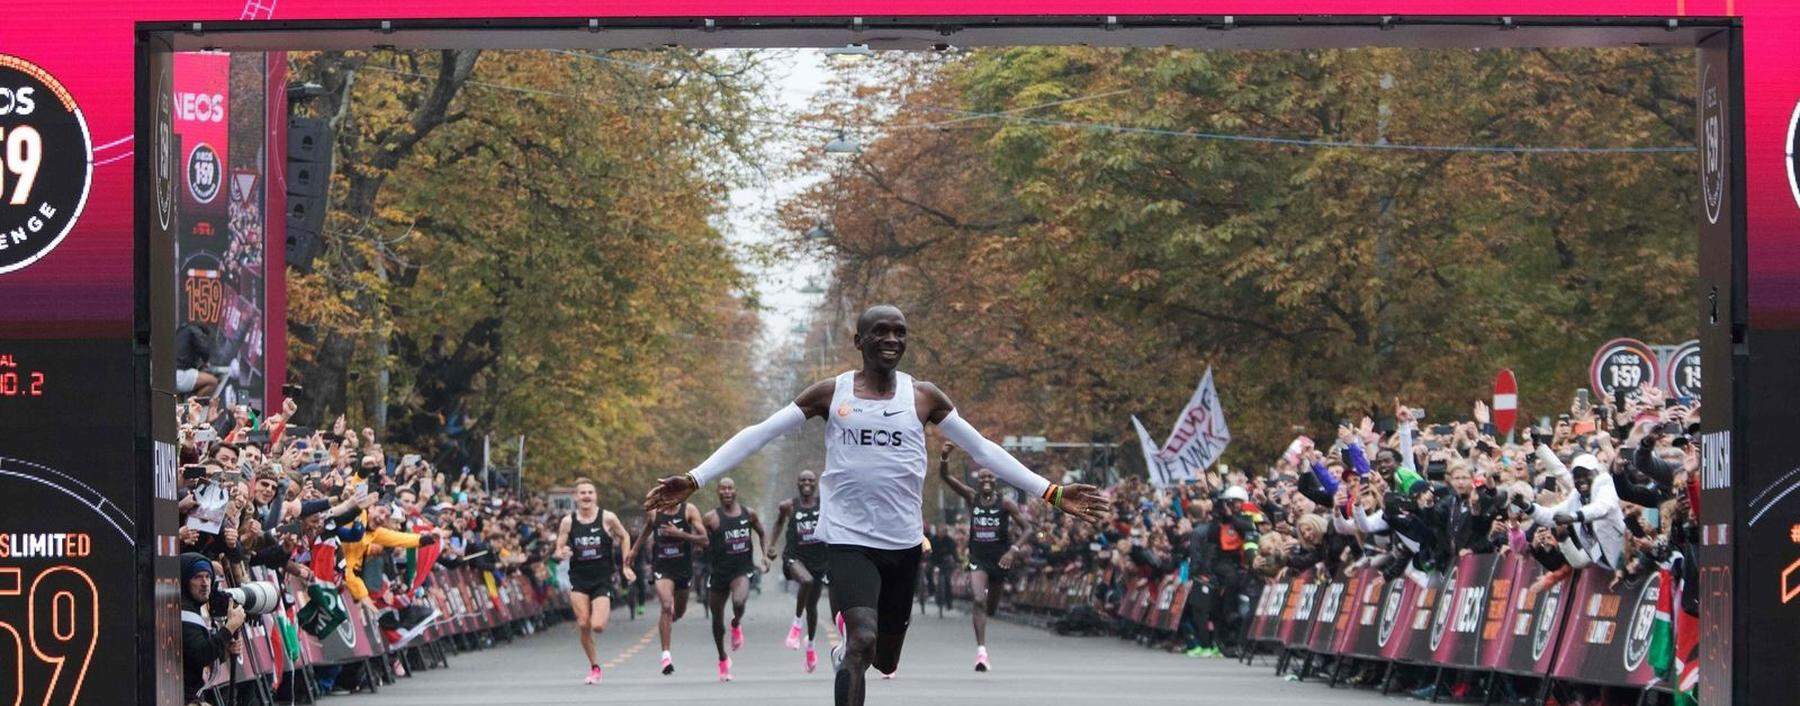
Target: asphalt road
(1030, 666)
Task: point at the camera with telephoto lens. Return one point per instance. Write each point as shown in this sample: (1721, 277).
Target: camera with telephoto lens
(256, 597)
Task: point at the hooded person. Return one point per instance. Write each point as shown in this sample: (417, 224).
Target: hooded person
(203, 643)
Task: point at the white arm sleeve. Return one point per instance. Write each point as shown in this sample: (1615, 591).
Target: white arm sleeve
(748, 441)
(989, 455)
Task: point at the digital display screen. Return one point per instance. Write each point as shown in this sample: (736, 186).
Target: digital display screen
(67, 533)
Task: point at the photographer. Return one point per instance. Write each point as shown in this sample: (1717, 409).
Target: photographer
(205, 639)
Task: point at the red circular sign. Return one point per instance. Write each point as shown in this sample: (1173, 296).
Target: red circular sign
(1623, 363)
(1506, 402)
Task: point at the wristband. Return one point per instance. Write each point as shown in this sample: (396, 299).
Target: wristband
(1050, 492)
(691, 479)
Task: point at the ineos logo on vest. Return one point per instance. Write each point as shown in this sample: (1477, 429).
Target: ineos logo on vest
(45, 163)
(873, 437)
(1637, 640)
(200, 107)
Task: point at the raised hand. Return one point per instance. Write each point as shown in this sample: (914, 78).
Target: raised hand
(1481, 413)
(1085, 501)
(668, 493)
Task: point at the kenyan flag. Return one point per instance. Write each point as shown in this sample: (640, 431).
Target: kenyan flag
(1674, 644)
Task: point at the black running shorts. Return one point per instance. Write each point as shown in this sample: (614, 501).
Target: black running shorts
(595, 583)
(883, 579)
(989, 565)
(680, 571)
(818, 567)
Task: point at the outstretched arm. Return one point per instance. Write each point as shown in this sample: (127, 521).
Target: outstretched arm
(1084, 501)
(811, 403)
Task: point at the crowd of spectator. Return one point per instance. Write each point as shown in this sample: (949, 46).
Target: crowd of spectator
(1612, 487)
(319, 514)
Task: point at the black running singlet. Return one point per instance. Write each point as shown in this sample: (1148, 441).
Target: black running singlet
(671, 549)
(589, 542)
(729, 546)
(800, 537)
(989, 529)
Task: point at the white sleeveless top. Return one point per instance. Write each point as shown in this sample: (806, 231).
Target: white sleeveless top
(871, 493)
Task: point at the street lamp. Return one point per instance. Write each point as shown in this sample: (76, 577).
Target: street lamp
(848, 54)
(843, 144)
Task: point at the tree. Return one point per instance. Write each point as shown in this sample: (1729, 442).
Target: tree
(1063, 276)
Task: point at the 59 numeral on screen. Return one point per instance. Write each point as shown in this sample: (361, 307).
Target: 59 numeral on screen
(47, 635)
(24, 153)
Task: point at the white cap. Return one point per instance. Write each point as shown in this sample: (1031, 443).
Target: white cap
(1588, 461)
(1234, 493)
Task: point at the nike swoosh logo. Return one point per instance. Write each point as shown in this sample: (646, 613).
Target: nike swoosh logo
(892, 413)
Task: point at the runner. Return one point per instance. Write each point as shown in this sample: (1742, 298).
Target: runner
(729, 528)
(803, 561)
(870, 494)
(584, 539)
(672, 537)
(990, 545)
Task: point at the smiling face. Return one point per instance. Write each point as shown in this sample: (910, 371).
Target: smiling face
(807, 484)
(881, 336)
(985, 482)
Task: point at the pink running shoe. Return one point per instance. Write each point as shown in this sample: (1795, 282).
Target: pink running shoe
(725, 670)
(593, 676)
(981, 661)
(812, 659)
(839, 621)
(793, 638)
(668, 665)
(737, 638)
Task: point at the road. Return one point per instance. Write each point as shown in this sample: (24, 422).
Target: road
(1030, 666)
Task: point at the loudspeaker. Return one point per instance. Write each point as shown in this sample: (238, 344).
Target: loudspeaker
(302, 247)
(309, 140)
(306, 213)
(308, 182)
(306, 179)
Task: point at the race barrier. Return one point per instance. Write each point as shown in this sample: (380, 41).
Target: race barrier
(469, 602)
(1495, 614)
(1489, 613)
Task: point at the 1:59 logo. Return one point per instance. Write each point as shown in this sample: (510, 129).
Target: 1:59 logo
(61, 608)
(44, 163)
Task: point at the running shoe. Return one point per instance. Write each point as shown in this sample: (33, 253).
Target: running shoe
(812, 659)
(593, 676)
(737, 637)
(837, 657)
(888, 676)
(981, 661)
(793, 638)
(725, 669)
(668, 664)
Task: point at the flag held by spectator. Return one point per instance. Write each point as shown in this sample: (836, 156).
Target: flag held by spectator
(1199, 437)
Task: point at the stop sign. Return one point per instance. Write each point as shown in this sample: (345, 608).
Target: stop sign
(1506, 402)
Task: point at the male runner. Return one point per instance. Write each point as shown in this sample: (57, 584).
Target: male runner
(672, 537)
(870, 493)
(990, 550)
(803, 561)
(584, 539)
(729, 528)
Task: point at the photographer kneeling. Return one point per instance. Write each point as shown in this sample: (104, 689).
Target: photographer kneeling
(204, 642)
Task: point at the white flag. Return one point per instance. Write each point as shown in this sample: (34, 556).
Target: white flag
(1158, 470)
(1200, 434)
